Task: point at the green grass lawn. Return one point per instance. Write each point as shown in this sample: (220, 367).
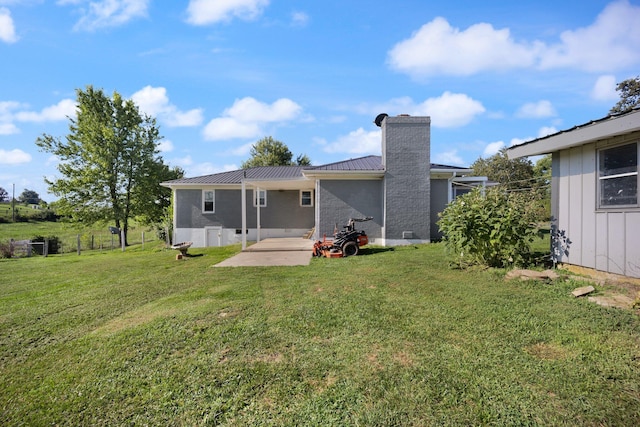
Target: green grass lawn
(390, 337)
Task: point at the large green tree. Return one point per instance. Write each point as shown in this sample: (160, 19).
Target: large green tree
(629, 91)
(511, 173)
(110, 168)
(271, 152)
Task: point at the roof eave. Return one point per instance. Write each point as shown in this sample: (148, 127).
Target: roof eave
(580, 135)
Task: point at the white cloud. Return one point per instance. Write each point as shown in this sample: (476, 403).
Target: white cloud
(546, 131)
(8, 129)
(165, 146)
(438, 48)
(299, 19)
(605, 89)
(449, 110)
(109, 13)
(244, 119)
(446, 111)
(155, 102)
(536, 110)
(203, 12)
(61, 111)
(14, 157)
(242, 150)
(448, 158)
(492, 148)
(611, 42)
(229, 128)
(356, 142)
(7, 29)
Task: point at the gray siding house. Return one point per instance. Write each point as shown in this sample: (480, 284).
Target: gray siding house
(401, 190)
(595, 191)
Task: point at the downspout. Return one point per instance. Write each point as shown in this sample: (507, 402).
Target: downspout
(257, 199)
(450, 187)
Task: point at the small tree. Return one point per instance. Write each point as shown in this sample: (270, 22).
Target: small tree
(271, 152)
(4, 196)
(629, 91)
(511, 173)
(495, 229)
(29, 197)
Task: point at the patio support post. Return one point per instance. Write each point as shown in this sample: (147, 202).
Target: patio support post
(244, 214)
(258, 213)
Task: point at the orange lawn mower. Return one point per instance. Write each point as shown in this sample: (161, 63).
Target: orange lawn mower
(344, 243)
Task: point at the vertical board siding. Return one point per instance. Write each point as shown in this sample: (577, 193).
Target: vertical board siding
(602, 231)
(632, 267)
(563, 200)
(616, 242)
(589, 229)
(575, 205)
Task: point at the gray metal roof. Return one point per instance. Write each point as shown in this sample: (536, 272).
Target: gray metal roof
(368, 163)
(236, 176)
(263, 173)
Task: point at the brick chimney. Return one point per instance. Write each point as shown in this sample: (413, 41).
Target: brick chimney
(406, 147)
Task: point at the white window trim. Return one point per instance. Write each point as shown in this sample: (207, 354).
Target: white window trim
(255, 199)
(310, 197)
(620, 175)
(203, 201)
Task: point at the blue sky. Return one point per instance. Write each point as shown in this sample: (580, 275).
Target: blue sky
(221, 74)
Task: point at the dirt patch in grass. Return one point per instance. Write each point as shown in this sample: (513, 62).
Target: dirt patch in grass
(547, 351)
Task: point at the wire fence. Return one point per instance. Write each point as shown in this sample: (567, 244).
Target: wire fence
(75, 243)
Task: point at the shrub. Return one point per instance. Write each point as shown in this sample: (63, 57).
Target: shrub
(494, 229)
(5, 250)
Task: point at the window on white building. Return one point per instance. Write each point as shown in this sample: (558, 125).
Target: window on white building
(306, 198)
(208, 201)
(262, 195)
(618, 176)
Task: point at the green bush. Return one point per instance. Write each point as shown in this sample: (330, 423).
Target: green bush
(5, 250)
(495, 229)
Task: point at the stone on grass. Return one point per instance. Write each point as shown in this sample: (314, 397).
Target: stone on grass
(547, 275)
(578, 292)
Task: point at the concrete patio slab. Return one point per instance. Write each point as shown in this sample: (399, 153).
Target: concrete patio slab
(288, 251)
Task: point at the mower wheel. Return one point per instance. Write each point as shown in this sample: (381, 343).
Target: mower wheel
(350, 249)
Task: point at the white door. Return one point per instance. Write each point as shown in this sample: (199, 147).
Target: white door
(214, 236)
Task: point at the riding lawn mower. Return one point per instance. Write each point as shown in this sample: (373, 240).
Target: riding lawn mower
(344, 243)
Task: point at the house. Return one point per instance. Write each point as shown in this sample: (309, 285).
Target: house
(402, 190)
(594, 191)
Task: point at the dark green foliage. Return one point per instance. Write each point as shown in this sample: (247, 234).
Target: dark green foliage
(629, 95)
(29, 197)
(495, 229)
(271, 152)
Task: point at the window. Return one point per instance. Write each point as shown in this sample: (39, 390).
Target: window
(263, 198)
(618, 176)
(306, 198)
(208, 201)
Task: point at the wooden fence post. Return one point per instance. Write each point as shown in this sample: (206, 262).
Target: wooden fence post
(122, 238)
(78, 244)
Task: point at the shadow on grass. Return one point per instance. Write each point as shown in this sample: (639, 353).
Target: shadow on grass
(374, 250)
